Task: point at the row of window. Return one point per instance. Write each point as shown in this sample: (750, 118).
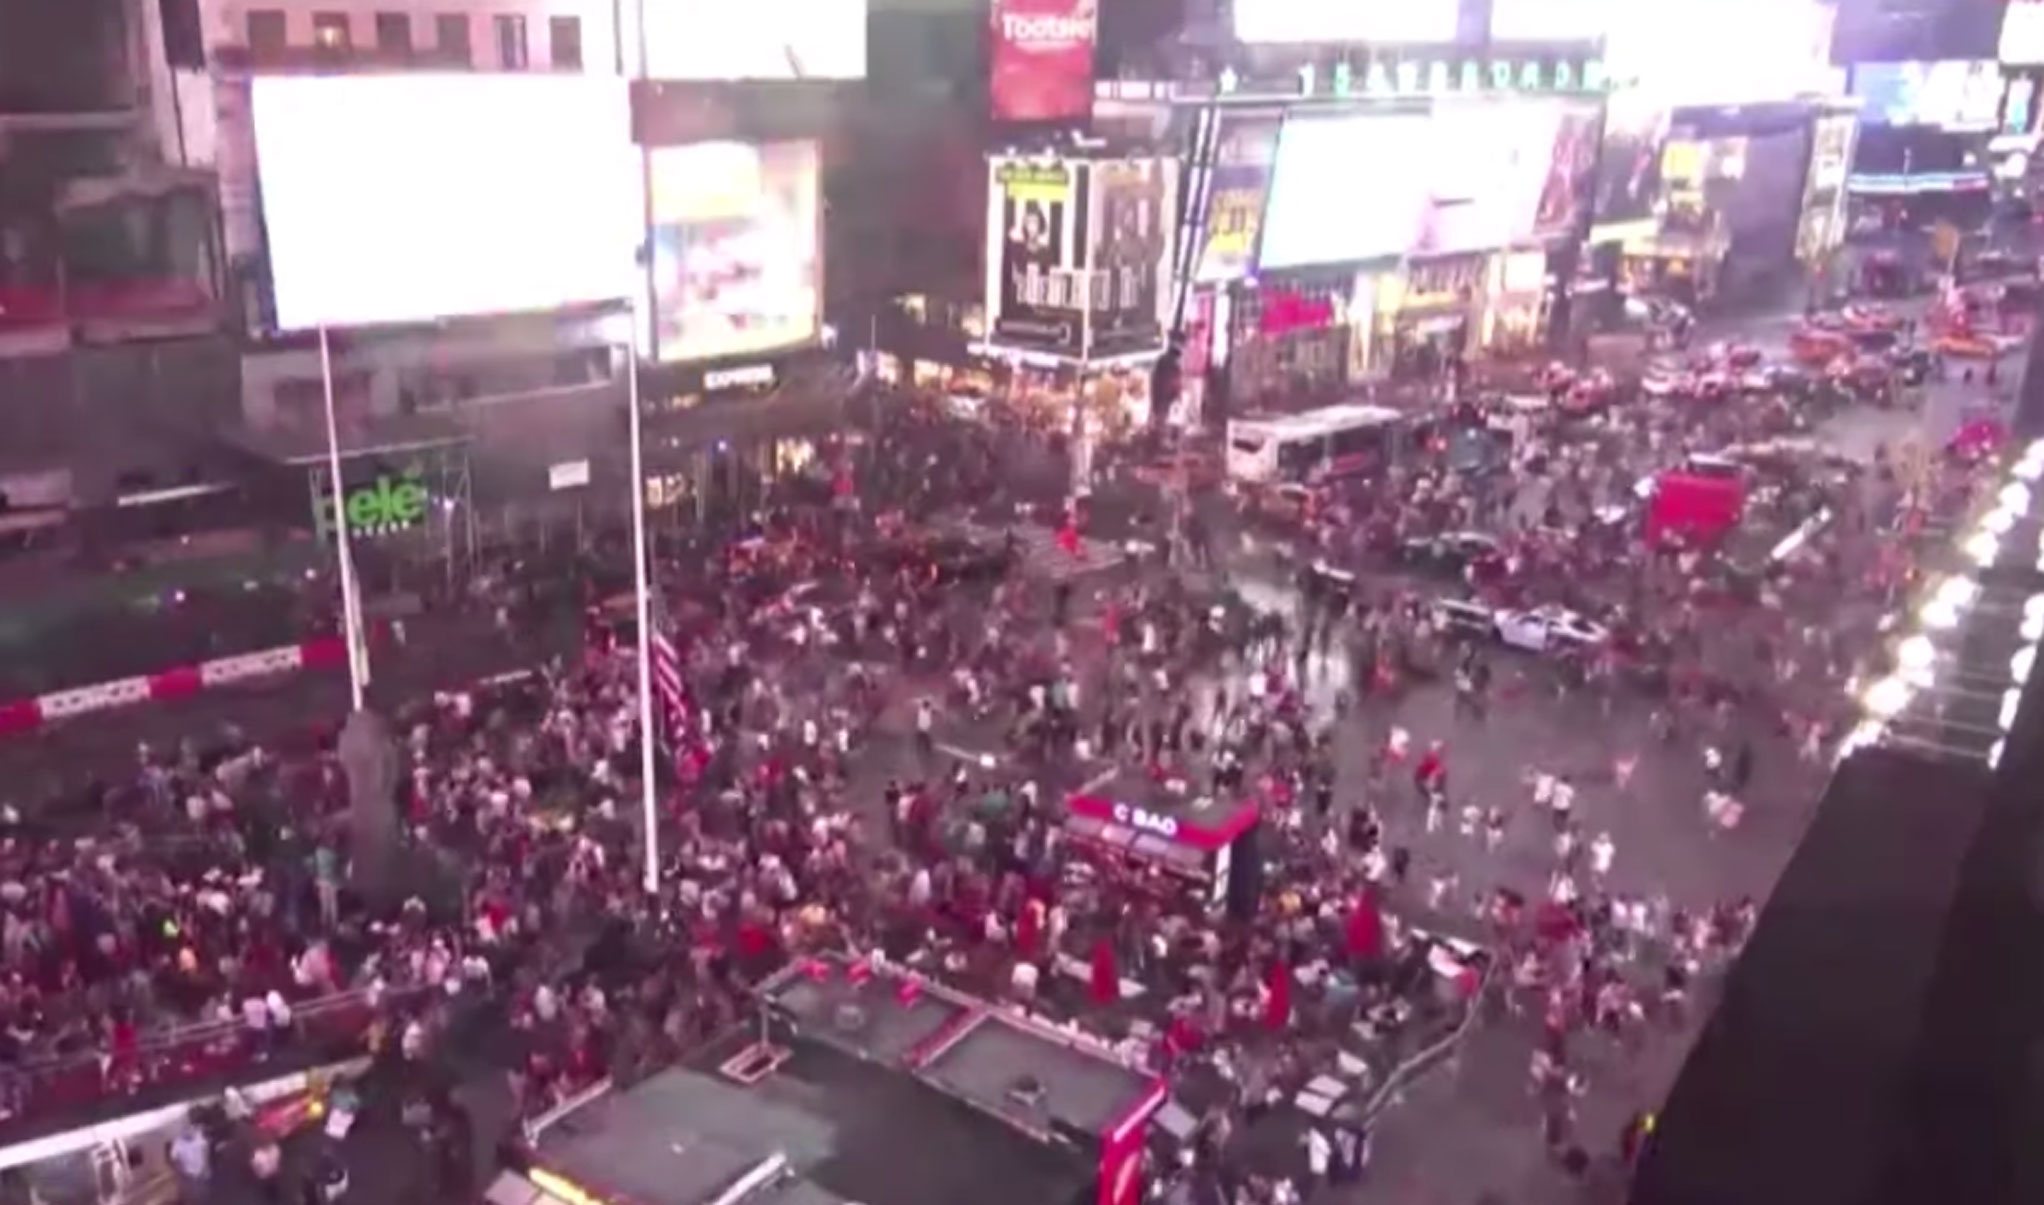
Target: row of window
(269, 32)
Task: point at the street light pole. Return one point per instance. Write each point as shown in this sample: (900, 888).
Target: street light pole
(351, 596)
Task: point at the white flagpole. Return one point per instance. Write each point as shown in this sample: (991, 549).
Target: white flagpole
(336, 497)
(648, 791)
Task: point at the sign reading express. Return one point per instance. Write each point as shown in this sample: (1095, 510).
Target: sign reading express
(387, 504)
(1042, 67)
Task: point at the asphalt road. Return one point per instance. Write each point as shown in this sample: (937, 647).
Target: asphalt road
(1474, 1128)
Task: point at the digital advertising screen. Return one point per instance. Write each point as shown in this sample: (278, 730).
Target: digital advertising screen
(1131, 214)
(1035, 291)
(1041, 59)
(1491, 166)
(1949, 95)
(413, 197)
(1629, 164)
(1895, 31)
(1549, 20)
(1704, 52)
(1571, 173)
(2022, 33)
(1344, 189)
(1304, 21)
(737, 263)
(755, 39)
(1239, 188)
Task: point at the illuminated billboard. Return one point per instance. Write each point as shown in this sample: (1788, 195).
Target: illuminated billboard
(1485, 183)
(1344, 190)
(755, 39)
(1035, 300)
(1041, 66)
(737, 264)
(1235, 198)
(1131, 216)
(1549, 20)
(1948, 95)
(1079, 254)
(412, 197)
(1311, 21)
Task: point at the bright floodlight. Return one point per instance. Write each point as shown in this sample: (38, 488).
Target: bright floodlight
(2021, 664)
(2011, 700)
(1998, 521)
(2015, 496)
(2033, 628)
(1938, 615)
(1994, 756)
(1863, 734)
(1915, 652)
(1886, 698)
(1983, 548)
(2027, 469)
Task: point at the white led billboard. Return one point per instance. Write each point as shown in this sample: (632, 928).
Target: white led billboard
(755, 39)
(413, 197)
(737, 257)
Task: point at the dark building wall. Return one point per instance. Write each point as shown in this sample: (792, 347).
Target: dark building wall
(907, 188)
(121, 417)
(64, 56)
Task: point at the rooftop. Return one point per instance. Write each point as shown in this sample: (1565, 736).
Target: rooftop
(895, 1140)
(680, 1138)
(868, 1018)
(1069, 1090)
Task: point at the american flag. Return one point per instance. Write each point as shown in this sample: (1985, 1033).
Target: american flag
(670, 689)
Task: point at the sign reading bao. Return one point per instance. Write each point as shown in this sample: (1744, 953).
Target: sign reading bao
(1042, 59)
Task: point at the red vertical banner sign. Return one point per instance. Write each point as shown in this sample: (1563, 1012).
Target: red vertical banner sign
(1042, 59)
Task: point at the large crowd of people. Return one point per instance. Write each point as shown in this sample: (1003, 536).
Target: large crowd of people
(813, 794)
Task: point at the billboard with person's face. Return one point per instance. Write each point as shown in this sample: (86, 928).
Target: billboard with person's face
(737, 265)
(1131, 217)
(1035, 294)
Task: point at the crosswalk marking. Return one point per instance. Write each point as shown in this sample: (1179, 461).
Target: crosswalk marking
(1041, 555)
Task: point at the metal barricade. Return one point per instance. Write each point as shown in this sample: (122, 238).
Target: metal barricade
(206, 1053)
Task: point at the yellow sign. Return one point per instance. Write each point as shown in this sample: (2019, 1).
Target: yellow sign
(1231, 231)
(1046, 183)
(1944, 239)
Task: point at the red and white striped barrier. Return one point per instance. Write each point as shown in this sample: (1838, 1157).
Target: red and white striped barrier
(26, 715)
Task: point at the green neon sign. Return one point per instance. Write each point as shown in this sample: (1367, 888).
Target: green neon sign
(390, 503)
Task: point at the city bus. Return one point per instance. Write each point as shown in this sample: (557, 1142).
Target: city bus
(1302, 449)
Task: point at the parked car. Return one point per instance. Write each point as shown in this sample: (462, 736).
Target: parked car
(1462, 617)
(1452, 551)
(1548, 629)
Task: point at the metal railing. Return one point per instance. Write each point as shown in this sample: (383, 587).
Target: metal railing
(79, 1087)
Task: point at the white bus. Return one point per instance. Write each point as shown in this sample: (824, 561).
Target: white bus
(1334, 441)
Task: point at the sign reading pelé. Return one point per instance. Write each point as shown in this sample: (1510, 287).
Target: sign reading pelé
(391, 502)
(1424, 74)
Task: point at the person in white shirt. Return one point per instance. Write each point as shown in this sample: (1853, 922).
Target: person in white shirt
(1319, 1154)
(1564, 801)
(1602, 850)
